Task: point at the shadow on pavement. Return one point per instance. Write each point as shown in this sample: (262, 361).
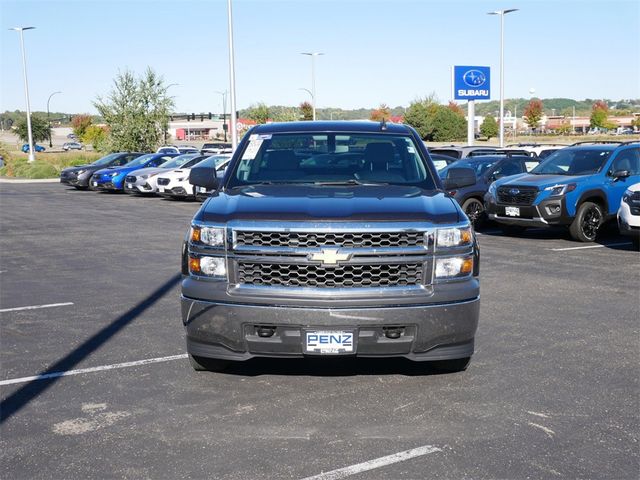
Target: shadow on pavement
(20, 398)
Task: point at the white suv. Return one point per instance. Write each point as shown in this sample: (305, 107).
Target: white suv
(629, 214)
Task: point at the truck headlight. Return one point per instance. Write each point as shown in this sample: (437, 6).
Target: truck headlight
(212, 236)
(453, 267)
(453, 237)
(113, 174)
(557, 190)
(214, 267)
(80, 172)
(626, 196)
(492, 189)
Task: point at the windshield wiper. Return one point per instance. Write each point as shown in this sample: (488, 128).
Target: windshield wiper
(351, 181)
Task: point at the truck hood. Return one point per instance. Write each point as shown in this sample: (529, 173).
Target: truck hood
(540, 181)
(330, 203)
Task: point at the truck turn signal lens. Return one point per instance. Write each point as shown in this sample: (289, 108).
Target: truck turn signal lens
(194, 265)
(195, 234)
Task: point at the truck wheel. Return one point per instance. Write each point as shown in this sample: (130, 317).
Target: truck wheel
(512, 230)
(451, 366)
(589, 218)
(475, 211)
(201, 364)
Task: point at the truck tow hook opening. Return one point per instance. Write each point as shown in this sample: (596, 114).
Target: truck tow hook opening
(265, 332)
(393, 332)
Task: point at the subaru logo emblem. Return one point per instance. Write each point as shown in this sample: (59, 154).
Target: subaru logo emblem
(514, 191)
(474, 78)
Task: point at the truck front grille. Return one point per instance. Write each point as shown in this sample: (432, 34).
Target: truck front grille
(341, 239)
(130, 179)
(339, 276)
(515, 195)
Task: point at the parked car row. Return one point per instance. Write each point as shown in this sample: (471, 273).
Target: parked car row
(580, 187)
(146, 174)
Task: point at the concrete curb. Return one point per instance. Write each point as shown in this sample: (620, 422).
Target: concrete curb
(29, 180)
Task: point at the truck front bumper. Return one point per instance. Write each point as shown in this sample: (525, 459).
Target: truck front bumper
(442, 331)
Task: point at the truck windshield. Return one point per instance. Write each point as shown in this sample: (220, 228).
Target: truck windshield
(573, 162)
(331, 158)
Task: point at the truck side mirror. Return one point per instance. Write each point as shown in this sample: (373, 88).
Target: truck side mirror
(619, 174)
(203, 177)
(459, 177)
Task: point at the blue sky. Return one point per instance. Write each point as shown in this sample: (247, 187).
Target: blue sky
(376, 51)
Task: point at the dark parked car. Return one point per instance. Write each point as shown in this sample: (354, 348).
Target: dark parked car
(464, 151)
(440, 161)
(482, 170)
(329, 239)
(80, 176)
(36, 147)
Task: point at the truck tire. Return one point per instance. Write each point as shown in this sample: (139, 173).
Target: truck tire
(474, 209)
(201, 364)
(589, 219)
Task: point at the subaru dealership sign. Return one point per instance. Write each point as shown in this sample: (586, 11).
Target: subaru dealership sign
(471, 83)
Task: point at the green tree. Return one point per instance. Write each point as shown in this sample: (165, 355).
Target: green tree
(533, 113)
(435, 122)
(636, 122)
(600, 116)
(39, 129)
(448, 125)
(420, 116)
(136, 111)
(80, 123)
(489, 127)
(307, 111)
(258, 112)
(95, 136)
(286, 114)
(383, 112)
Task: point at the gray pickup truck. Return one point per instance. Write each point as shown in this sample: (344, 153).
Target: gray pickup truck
(329, 239)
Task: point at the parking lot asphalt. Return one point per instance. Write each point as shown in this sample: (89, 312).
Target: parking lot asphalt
(552, 391)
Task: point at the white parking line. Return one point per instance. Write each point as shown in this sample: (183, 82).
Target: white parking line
(375, 463)
(93, 369)
(589, 246)
(35, 307)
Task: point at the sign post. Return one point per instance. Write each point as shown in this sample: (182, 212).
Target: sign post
(471, 83)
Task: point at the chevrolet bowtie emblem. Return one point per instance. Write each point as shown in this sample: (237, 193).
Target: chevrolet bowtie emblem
(329, 256)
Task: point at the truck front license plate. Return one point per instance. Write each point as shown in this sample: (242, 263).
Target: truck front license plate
(512, 211)
(328, 342)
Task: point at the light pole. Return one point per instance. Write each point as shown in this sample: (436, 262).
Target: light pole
(502, 13)
(232, 80)
(32, 156)
(313, 56)
(48, 122)
(224, 112)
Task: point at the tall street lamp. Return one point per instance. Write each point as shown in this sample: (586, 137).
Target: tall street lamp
(224, 112)
(502, 13)
(232, 80)
(313, 56)
(48, 122)
(32, 156)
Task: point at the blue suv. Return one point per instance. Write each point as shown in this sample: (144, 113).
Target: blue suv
(580, 187)
(112, 178)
